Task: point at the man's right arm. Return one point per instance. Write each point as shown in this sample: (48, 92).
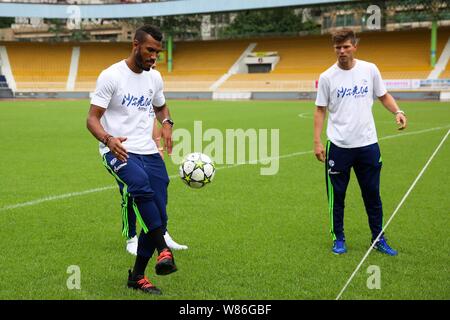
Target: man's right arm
(319, 119)
(95, 127)
(93, 123)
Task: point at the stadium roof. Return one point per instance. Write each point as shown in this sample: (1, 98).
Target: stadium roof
(152, 9)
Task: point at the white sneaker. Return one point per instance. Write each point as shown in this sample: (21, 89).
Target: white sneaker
(132, 245)
(172, 244)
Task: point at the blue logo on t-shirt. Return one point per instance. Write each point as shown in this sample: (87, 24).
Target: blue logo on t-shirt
(141, 102)
(356, 92)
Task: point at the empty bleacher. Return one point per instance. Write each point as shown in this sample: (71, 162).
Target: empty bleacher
(199, 64)
(39, 67)
(398, 55)
(95, 57)
(302, 59)
(401, 55)
(446, 73)
(196, 65)
(3, 83)
(5, 91)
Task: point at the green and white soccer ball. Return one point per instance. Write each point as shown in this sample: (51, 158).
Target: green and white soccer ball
(197, 170)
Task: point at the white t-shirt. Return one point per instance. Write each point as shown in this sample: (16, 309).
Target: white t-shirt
(348, 95)
(128, 98)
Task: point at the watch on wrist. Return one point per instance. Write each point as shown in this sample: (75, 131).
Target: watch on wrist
(399, 111)
(168, 120)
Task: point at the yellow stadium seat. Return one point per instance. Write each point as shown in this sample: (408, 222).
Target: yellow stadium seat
(40, 67)
(199, 64)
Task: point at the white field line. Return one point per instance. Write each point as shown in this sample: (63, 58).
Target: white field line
(393, 215)
(81, 193)
(413, 132)
(51, 198)
(305, 115)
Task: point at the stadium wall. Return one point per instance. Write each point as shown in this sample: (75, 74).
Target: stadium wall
(399, 95)
(53, 95)
(6, 93)
(189, 95)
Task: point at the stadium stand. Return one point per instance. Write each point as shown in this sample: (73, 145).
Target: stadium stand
(446, 73)
(199, 64)
(38, 67)
(3, 83)
(5, 91)
(399, 55)
(301, 58)
(95, 57)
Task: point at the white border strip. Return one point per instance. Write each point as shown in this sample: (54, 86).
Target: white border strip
(393, 215)
(73, 71)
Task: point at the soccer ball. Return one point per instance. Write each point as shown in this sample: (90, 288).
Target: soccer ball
(197, 170)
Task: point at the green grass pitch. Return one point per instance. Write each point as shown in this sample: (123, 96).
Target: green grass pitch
(250, 236)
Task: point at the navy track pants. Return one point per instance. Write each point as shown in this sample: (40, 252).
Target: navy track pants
(366, 163)
(143, 182)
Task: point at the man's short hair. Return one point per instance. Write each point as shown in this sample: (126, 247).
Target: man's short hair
(344, 35)
(148, 29)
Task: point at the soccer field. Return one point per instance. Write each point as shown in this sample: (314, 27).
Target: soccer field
(250, 236)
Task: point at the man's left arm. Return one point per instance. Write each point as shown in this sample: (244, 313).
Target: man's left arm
(163, 115)
(389, 103)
